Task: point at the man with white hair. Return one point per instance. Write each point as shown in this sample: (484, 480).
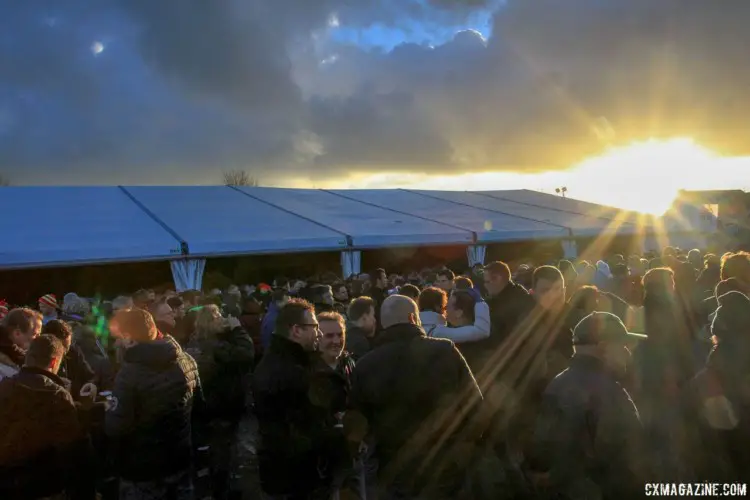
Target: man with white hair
(415, 396)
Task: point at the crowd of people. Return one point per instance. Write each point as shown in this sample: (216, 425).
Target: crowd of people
(565, 380)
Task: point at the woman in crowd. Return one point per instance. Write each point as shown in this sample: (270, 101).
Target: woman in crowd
(225, 357)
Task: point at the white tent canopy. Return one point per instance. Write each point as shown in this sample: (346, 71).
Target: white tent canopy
(59, 226)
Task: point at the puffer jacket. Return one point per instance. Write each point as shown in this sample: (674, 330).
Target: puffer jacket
(150, 422)
(435, 326)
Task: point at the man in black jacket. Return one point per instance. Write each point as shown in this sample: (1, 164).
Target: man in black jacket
(361, 327)
(379, 291)
(74, 366)
(415, 396)
(509, 304)
(41, 433)
(296, 437)
(149, 419)
(588, 439)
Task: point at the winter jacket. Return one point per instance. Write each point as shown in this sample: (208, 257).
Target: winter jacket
(268, 325)
(330, 386)
(507, 309)
(665, 361)
(7, 367)
(358, 342)
(41, 435)
(715, 424)
(75, 368)
(295, 436)
(416, 396)
(378, 295)
(150, 422)
(588, 435)
(251, 321)
(434, 325)
(11, 359)
(708, 278)
(96, 357)
(329, 390)
(224, 364)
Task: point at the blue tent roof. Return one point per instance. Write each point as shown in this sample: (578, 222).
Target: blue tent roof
(369, 226)
(580, 224)
(219, 220)
(489, 226)
(80, 225)
(45, 226)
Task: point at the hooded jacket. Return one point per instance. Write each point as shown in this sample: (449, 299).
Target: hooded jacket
(40, 432)
(150, 419)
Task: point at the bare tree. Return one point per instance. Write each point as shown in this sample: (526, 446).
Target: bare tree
(240, 178)
(4, 181)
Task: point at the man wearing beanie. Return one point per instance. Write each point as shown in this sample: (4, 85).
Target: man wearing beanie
(48, 307)
(716, 409)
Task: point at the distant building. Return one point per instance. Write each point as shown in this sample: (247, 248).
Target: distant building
(724, 213)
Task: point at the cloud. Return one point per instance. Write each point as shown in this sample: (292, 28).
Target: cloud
(186, 88)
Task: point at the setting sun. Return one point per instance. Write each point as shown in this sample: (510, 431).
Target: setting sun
(656, 169)
(643, 176)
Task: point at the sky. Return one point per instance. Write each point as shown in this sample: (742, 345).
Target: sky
(621, 101)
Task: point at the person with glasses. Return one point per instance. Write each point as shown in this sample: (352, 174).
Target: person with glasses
(295, 436)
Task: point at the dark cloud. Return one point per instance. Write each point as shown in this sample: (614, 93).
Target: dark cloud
(187, 88)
